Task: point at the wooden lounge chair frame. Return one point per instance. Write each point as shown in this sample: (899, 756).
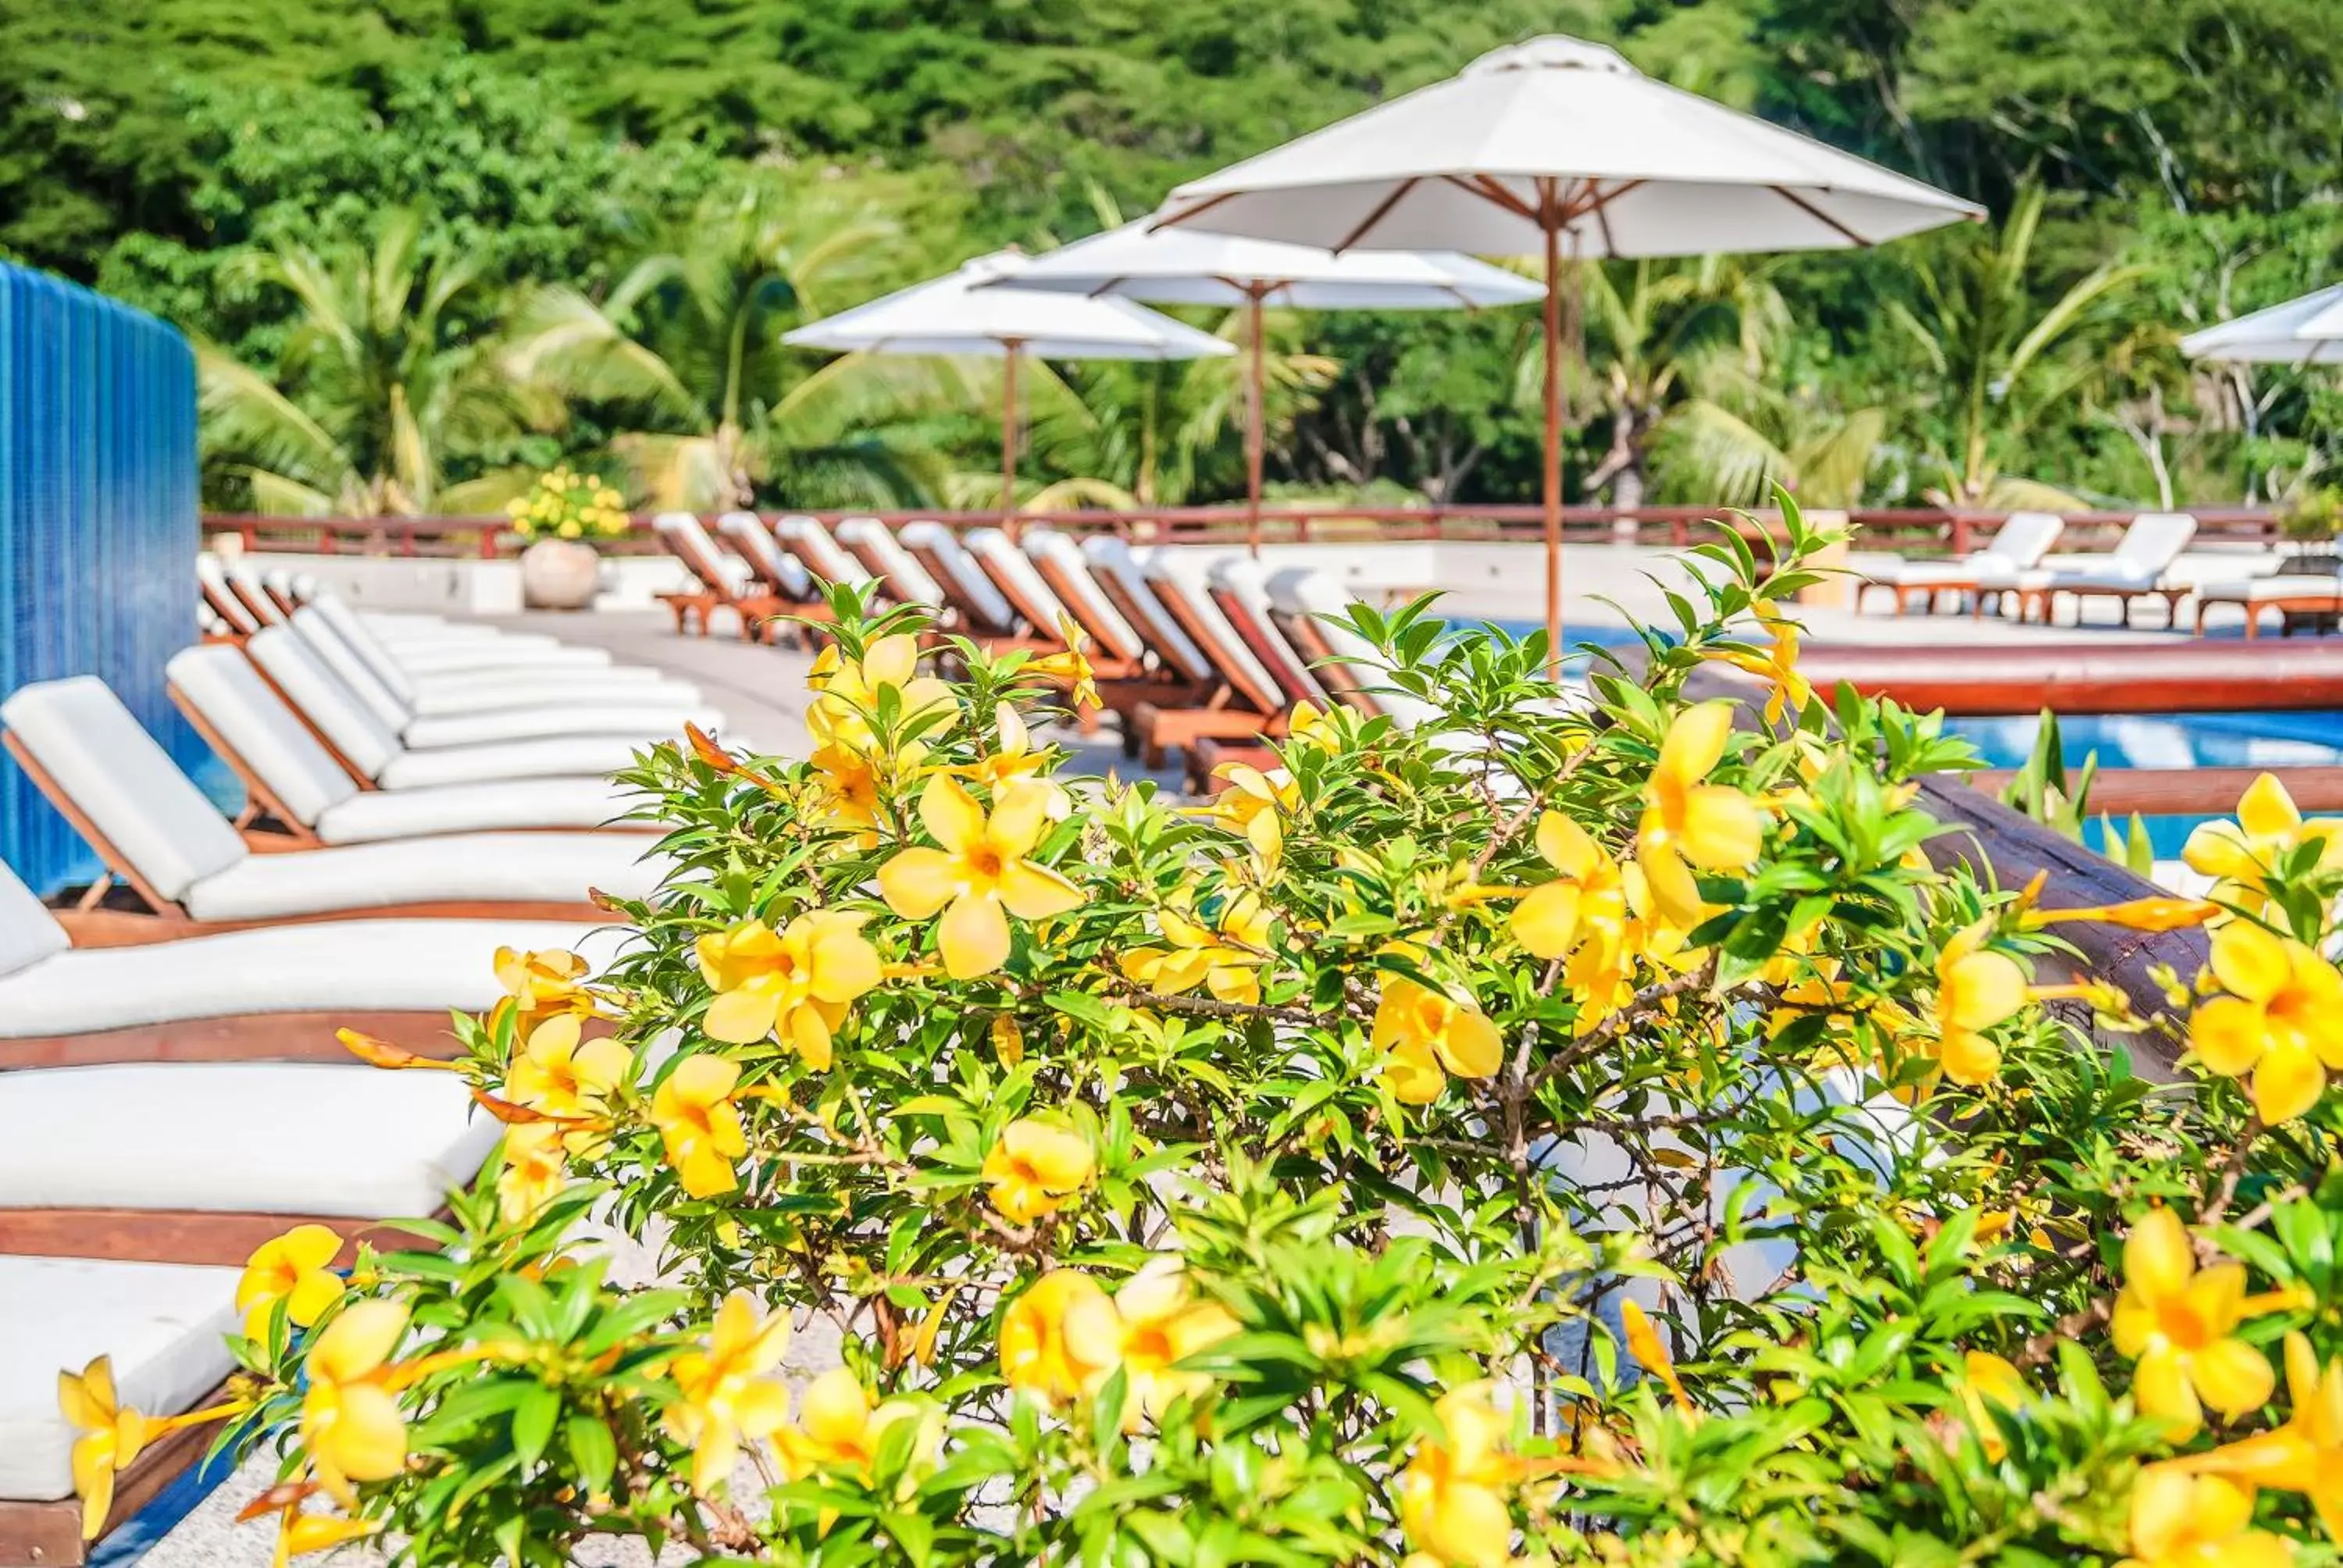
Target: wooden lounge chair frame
(2045, 599)
(796, 611)
(1123, 684)
(715, 592)
(1161, 728)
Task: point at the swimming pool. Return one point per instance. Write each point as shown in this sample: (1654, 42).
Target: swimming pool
(2165, 741)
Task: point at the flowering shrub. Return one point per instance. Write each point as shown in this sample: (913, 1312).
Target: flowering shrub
(563, 505)
(1552, 1132)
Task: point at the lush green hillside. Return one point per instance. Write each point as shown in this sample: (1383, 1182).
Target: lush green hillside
(179, 152)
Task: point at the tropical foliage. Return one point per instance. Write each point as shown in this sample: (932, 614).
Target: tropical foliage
(1624, 1134)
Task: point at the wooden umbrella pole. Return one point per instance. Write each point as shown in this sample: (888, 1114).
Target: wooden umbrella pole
(1255, 441)
(1550, 221)
(1009, 439)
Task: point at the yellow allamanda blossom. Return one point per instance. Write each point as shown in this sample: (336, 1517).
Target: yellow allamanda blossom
(295, 1267)
(2183, 1521)
(846, 691)
(699, 1125)
(1164, 1323)
(1778, 665)
(2280, 1018)
(1070, 668)
(848, 786)
(1255, 804)
(560, 1074)
(1225, 957)
(839, 1429)
(796, 982)
(2239, 855)
(2180, 1324)
(723, 1396)
(2306, 1454)
(1453, 1494)
(979, 876)
(299, 1533)
(1976, 990)
(1035, 1168)
(1688, 823)
(1651, 1352)
(351, 1427)
(547, 983)
(1988, 1382)
(1306, 726)
(1062, 1337)
(1428, 1034)
(112, 1436)
(535, 1169)
(1586, 900)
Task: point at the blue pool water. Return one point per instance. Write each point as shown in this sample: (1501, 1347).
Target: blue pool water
(2178, 740)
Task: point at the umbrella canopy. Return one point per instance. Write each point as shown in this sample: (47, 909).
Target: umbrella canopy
(1552, 145)
(2305, 331)
(1192, 267)
(960, 314)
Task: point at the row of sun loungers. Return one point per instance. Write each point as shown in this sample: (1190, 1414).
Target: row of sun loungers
(169, 1080)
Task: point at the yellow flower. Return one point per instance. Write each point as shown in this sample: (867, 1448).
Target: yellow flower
(1014, 760)
(846, 691)
(796, 982)
(1430, 1033)
(535, 1170)
(2239, 855)
(1071, 669)
(1255, 804)
(1975, 992)
(848, 785)
(112, 1436)
(350, 1421)
(295, 1267)
(1588, 898)
(1651, 1352)
(1306, 726)
(2306, 1454)
(1688, 823)
(1035, 1168)
(2183, 1521)
(2281, 1019)
(1452, 1496)
(723, 1395)
(839, 1429)
(299, 1533)
(1225, 957)
(1989, 1383)
(1779, 665)
(2180, 1324)
(1162, 1325)
(2160, 912)
(1062, 1339)
(538, 986)
(699, 1125)
(980, 871)
(561, 1075)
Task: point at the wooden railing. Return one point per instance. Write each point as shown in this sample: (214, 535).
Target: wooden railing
(1909, 531)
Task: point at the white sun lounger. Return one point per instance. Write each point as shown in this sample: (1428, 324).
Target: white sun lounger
(487, 679)
(159, 833)
(448, 653)
(1313, 612)
(373, 752)
(655, 714)
(1121, 577)
(1245, 704)
(822, 556)
(905, 580)
(781, 572)
(1057, 561)
(984, 611)
(2016, 547)
(288, 771)
(223, 601)
(1240, 587)
(2136, 570)
(1012, 574)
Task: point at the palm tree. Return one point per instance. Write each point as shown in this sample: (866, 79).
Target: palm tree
(686, 348)
(1977, 330)
(1743, 436)
(380, 384)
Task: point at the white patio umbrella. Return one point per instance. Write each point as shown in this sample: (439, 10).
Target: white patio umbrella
(2305, 331)
(957, 314)
(1559, 143)
(1190, 267)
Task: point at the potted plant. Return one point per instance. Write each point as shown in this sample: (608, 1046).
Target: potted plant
(561, 514)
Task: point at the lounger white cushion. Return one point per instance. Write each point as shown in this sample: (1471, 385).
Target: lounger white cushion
(163, 1326)
(690, 543)
(29, 935)
(1181, 576)
(219, 683)
(325, 966)
(987, 609)
(1072, 586)
(1112, 562)
(212, 576)
(2147, 551)
(907, 581)
(1240, 580)
(2018, 546)
(1011, 571)
(444, 653)
(1303, 591)
(746, 532)
(2261, 590)
(810, 543)
(259, 1138)
(375, 749)
(166, 830)
(2006, 580)
(246, 585)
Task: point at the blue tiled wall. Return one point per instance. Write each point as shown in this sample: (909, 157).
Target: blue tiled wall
(98, 525)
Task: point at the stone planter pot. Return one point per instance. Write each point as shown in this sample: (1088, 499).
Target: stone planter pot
(559, 574)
